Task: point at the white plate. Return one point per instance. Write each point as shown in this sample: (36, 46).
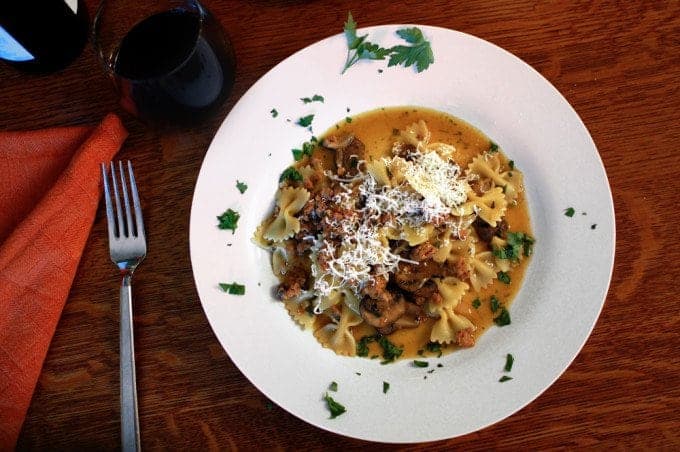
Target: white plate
(553, 314)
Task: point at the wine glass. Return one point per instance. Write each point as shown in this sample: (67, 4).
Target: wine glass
(170, 60)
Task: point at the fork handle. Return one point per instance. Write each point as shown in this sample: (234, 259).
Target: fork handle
(128, 385)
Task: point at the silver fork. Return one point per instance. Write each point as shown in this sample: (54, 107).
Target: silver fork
(127, 246)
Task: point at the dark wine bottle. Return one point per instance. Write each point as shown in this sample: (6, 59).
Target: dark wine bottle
(42, 35)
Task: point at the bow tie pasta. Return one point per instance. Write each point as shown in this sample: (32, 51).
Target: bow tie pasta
(403, 232)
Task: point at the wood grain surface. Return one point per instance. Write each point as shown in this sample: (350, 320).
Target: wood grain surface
(617, 63)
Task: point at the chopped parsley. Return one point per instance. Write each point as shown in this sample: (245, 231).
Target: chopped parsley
(495, 304)
(333, 386)
(314, 98)
(419, 53)
(504, 378)
(504, 277)
(434, 347)
(511, 164)
(518, 243)
(268, 405)
(476, 303)
(390, 351)
(228, 220)
(417, 363)
(274, 112)
(503, 318)
(241, 186)
(305, 121)
(358, 48)
(386, 387)
(348, 119)
(493, 147)
(307, 149)
(291, 174)
(569, 211)
(233, 288)
(593, 226)
(509, 360)
(362, 345)
(334, 407)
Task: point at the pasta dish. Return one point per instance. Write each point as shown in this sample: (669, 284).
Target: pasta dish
(405, 229)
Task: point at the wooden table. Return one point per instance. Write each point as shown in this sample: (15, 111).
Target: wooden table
(618, 64)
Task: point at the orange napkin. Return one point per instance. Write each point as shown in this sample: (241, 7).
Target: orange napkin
(49, 190)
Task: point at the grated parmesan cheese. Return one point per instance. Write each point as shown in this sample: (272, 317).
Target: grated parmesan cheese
(431, 191)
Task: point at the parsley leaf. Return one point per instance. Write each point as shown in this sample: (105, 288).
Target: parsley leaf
(348, 119)
(518, 243)
(495, 304)
(420, 363)
(307, 149)
(386, 387)
(362, 345)
(493, 147)
(228, 220)
(569, 211)
(434, 347)
(292, 174)
(476, 303)
(419, 53)
(274, 112)
(390, 351)
(511, 164)
(334, 407)
(504, 378)
(333, 387)
(357, 46)
(233, 288)
(509, 360)
(314, 98)
(504, 277)
(503, 318)
(241, 186)
(305, 121)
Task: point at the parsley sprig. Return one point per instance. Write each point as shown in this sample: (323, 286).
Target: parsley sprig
(419, 53)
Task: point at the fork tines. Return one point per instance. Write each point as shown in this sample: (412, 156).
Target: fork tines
(122, 223)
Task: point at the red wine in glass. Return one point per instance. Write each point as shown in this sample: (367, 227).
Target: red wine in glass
(174, 66)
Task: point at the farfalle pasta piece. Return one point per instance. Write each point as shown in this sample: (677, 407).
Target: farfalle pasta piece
(306, 171)
(501, 264)
(489, 166)
(416, 134)
(444, 150)
(449, 323)
(289, 202)
(490, 207)
(397, 167)
(258, 237)
(378, 170)
(415, 235)
(337, 335)
(482, 269)
(300, 312)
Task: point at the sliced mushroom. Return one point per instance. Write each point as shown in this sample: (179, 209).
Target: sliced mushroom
(349, 150)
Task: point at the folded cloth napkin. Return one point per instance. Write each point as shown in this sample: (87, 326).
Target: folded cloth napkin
(49, 191)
